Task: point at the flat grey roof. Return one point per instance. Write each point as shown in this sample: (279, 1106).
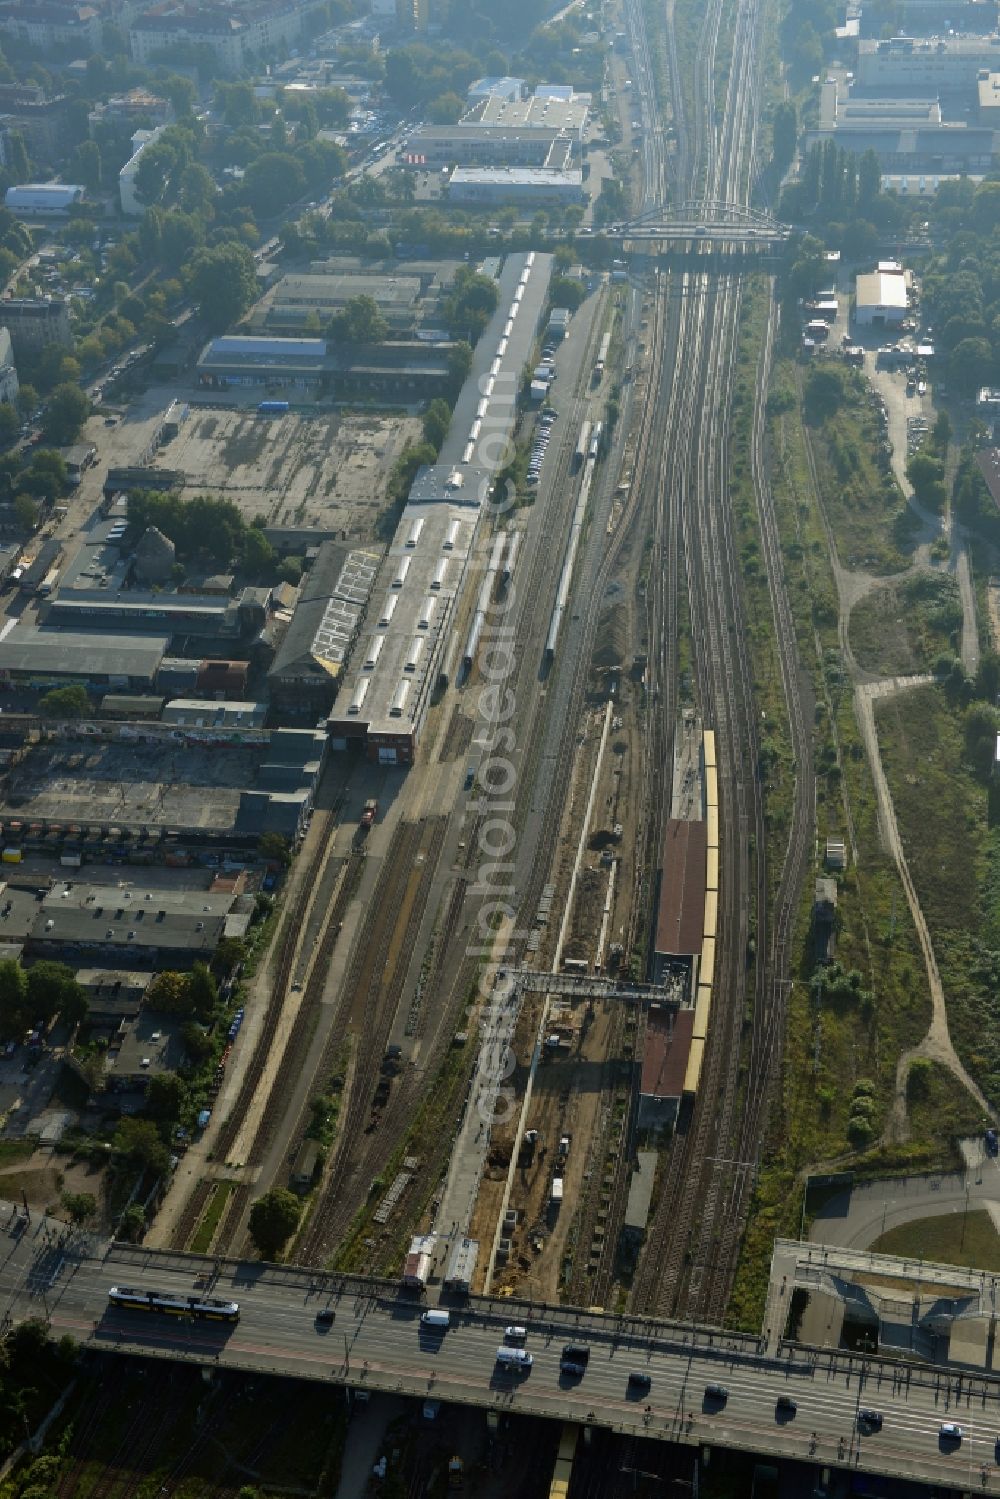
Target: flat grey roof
(335, 288)
(38, 650)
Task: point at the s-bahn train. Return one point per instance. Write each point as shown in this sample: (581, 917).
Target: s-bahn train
(207, 1307)
(706, 967)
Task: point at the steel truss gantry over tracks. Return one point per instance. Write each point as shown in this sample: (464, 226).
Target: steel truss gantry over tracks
(732, 225)
(589, 986)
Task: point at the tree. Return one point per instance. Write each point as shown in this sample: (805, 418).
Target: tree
(273, 1219)
(180, 91)
(52, 988)
(926, 474)
(869, 180)
(437, 420)
(941, 434)
(79, 1205)
(171, 993)
(197, 1042)
(971, 364)
(203, 991)
(27, 398)
(224, 283)
(229, 952)
(67, 410)
(257, 555)
(156, 170)
(13, 998)
(196, 190)
(165, 1097)
(472, 301)
(272, 182)
(86, 165)
(565, 291)
(18, 167)
(784, 134)
(239, 105)
(46, 478)
(138, 1140)
(459, 364)
(8, 423)
(65, 702)
(446, 109)
(274, 848)
(358, 322)
(25, 512)
(132, 1224)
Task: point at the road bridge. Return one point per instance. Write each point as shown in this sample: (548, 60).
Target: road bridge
(376, 1341)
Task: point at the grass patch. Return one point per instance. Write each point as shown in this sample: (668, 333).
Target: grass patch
(938, 1108)
(861, 497)
(13, 1152)
(967, 1239)
(903, 628)
(949, 827)
(201, 1241)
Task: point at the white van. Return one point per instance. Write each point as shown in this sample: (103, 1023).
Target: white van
(436, 1319)
(514, 1358)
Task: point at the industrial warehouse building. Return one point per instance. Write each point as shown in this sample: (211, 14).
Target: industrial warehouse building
(469, 145)
(43, 199)
(310, 660)
(525, 185)
(928, 65)
(394, 670)
(880, 298)
(295, 298)
(239, 359)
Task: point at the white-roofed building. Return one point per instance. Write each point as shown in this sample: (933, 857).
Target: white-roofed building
(43, 199)
(516, 185)
(880, 299)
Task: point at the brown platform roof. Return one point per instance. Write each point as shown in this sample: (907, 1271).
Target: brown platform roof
(665, 1053)
(680, 919)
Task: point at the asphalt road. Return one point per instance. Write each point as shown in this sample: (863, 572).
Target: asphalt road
(858, 1217)
(376, 1340)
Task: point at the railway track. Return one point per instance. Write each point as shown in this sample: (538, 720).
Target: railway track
(709, 1174)
(371, 996)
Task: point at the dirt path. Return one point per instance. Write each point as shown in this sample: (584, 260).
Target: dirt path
(937, 1043)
